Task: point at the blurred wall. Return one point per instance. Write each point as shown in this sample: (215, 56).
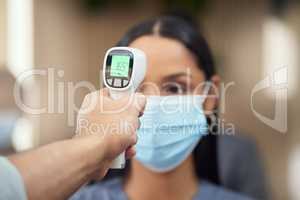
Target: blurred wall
(235, 30)
(293, 156)
(2, 33)
(60, 43)
(67, 39)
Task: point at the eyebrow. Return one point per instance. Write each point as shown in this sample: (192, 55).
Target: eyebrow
(177, 75)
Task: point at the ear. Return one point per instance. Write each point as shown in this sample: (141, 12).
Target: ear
(212, 99)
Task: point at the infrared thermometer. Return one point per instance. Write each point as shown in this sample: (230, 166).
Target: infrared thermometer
(124, 69)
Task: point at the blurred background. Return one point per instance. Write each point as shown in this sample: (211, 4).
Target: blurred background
(251, 40)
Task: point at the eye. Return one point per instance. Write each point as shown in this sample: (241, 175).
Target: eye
(173, 88)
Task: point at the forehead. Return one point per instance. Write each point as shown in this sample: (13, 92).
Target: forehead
(165, 56)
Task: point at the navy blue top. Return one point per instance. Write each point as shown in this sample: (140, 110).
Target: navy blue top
(113, 190)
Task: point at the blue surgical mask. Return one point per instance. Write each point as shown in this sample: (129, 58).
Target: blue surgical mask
(171, 127)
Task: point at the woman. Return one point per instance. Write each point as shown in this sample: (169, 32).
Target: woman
(180, 71)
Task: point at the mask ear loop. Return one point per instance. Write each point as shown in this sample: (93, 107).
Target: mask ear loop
(205, 92)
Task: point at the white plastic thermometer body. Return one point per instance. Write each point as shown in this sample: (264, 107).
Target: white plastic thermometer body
(124, 69)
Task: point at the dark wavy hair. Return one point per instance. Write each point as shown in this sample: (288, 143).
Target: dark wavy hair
(184, 30)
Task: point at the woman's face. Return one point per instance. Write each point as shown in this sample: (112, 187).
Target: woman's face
(172, 69)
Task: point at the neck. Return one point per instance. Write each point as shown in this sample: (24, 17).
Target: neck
(178, 184)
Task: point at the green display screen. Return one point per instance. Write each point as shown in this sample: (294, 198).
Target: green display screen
(120, 66)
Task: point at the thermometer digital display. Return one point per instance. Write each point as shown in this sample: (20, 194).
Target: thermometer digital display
(120, 66)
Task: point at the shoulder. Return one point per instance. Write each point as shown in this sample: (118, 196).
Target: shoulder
(107, 190)
(240, 160)
(210, 191)
(237, 148)
(234, 142)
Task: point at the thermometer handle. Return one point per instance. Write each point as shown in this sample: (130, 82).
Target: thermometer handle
(119, 94)
(119, 162)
